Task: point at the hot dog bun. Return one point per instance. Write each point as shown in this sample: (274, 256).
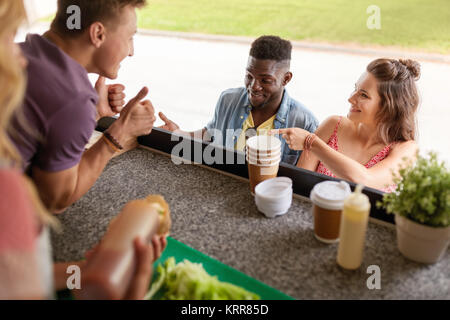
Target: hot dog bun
(165, 222)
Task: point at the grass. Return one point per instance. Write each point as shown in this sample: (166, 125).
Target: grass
(413, 24)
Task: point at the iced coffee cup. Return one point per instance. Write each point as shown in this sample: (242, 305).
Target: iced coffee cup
(328, 200)
(263, 154)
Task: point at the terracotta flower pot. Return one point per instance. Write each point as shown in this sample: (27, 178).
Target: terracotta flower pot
(419, 242)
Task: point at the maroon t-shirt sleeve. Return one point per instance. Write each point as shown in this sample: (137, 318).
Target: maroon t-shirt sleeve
(69, 130)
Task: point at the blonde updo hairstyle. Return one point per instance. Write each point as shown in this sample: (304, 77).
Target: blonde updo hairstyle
(399, 98)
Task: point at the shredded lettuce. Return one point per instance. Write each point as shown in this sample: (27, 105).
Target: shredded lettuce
(158, 208)
(190, 281)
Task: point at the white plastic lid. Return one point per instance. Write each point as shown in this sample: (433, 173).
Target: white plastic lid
(330, 194)
(273, 188)
(264, 143)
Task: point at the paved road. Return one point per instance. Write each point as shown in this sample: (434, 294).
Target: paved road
(186, 76)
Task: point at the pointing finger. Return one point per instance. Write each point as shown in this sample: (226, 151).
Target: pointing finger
(274, 131)
(163, 117)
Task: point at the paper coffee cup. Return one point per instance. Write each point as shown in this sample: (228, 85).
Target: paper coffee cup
(263, 161)
(258, 173)
(264, 166)
(264, 153)
(263, 144)
(256, 155)
(328, 200)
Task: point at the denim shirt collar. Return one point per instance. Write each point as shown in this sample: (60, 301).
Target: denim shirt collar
(280, 121)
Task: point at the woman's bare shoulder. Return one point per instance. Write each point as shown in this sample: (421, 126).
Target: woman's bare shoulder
(406, 148)
(326, 128)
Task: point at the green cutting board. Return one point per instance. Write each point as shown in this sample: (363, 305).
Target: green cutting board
(180, 251)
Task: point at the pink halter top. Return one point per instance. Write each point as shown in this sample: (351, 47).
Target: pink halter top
(333, 142)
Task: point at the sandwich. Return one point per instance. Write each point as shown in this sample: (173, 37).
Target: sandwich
(161, 206)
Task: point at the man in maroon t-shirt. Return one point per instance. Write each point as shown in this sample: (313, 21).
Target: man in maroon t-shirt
(61, 106)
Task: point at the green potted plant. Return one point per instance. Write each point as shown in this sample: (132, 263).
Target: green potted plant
(421, 205)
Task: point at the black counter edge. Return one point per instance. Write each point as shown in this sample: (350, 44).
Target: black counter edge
(303, 180)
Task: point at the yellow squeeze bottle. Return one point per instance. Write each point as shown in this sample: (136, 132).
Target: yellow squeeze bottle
(354, 220)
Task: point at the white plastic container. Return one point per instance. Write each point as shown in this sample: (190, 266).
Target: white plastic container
(273, 197)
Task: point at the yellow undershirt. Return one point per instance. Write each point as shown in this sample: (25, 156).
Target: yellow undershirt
(261, 130)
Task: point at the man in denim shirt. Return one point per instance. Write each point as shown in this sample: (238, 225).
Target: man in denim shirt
(263, 104)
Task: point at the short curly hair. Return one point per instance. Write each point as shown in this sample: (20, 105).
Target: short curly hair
(271, 48)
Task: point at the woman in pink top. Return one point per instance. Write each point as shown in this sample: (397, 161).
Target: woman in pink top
(370, 143)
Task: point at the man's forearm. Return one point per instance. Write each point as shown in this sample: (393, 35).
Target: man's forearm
(58, 190)
(90, 168)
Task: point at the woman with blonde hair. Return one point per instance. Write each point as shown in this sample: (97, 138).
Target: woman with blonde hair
(26, 268)
(368, 145)
(20, 272)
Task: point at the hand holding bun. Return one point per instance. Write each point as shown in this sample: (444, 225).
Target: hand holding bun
(113, 269)
(149, 204)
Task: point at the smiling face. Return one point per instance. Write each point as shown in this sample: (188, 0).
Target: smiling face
(365, 100)
(265, 81)
(118, 44)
